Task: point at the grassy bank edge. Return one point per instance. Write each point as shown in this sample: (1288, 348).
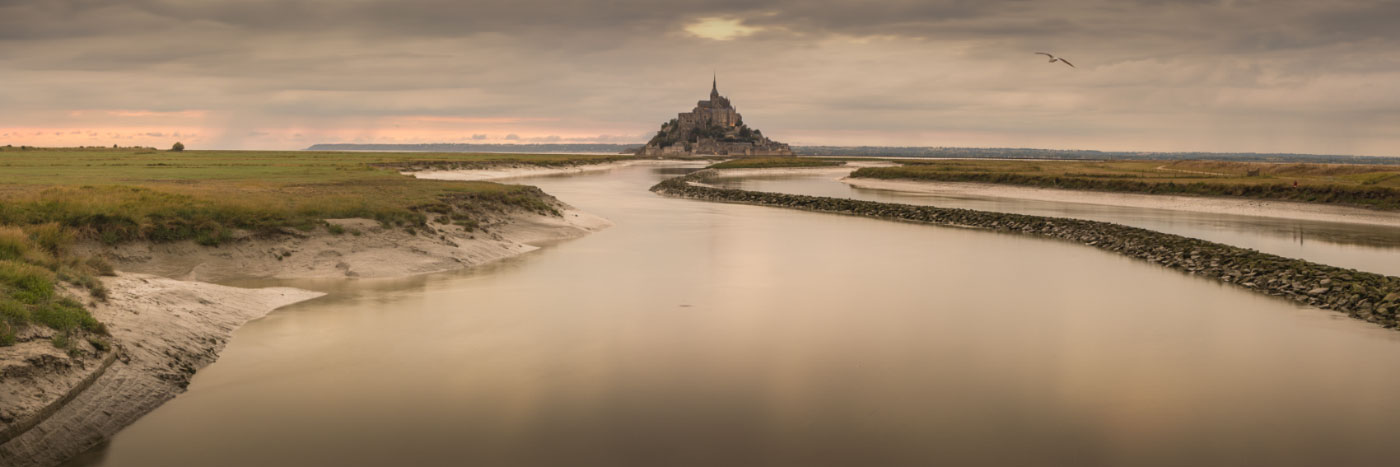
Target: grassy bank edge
(1374, 197)
(58, 196)
(1362, 295)
(35, 263)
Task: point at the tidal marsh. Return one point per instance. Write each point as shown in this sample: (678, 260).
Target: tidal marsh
(52, 198)
(1368, 186)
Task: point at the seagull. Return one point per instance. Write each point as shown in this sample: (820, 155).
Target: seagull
(1054, 59)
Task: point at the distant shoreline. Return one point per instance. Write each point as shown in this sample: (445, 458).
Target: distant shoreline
(923, 152)
(1207, 204)
(1371, 187)
(524, 148)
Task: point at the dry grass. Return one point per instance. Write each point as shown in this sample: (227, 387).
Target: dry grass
(1371, 186)
(33, 261)
(50, 198)
(117, 195)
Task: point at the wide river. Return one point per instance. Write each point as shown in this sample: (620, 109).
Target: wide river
(1371, 248)
(695, 333)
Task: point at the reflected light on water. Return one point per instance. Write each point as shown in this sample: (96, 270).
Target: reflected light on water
(696, 333)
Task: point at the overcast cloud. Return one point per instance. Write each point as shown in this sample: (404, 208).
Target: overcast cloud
(1275, 76)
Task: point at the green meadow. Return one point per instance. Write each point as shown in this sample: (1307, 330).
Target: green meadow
(52, 198)
(1367, 186)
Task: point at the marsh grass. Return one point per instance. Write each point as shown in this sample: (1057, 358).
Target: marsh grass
(121, 195)
(51, 198)
(1369, 186)
(33, 262)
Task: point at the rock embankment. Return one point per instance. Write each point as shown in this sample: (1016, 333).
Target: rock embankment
(1362, 295)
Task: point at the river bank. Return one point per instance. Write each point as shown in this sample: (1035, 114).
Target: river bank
(359, 248)
(1203, 204)
(166, 320)
(1214, 205)
(1367, 296)
(784, 171)
(162, 331)
(840, 170)
(1356, 185)
(506, 171)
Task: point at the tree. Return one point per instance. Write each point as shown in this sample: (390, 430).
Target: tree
(178, 147)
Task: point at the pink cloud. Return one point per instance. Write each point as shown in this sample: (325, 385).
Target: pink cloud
(61, 137)
(472, 120)
(141, 113)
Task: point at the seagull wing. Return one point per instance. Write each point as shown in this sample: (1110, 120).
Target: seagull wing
(1071, 65)
(1045, 54)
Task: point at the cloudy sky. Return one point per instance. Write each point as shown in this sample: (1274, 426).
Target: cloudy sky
(1154, 75)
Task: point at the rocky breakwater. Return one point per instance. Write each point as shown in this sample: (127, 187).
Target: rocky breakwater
(1362, 295)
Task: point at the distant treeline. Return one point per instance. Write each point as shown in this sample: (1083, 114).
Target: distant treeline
(1076, 154)
(890, 151)
(499, 148)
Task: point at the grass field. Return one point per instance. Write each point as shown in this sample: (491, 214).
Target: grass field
(122, 195)
(775, 162)
(33, 261)
(1369, 186)
(50, 198)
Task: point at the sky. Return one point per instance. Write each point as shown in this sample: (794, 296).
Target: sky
(1301, 76)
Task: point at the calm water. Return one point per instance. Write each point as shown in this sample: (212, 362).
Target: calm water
(709, 334)
(1365, 247)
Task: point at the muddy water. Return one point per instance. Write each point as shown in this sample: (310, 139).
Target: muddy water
(1369, 248)
(710, 334)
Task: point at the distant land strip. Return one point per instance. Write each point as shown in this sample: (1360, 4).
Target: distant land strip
(1081, 154)
(887, 151)
(1374, 187)
(491, 148)
(1362, 295)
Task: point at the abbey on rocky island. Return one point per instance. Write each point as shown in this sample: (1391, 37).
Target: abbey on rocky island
(714, 127)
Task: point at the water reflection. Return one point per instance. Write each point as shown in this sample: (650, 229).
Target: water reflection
(697, 333)
(1359, 246)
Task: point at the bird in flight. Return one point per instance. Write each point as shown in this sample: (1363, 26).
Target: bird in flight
(1054, 59)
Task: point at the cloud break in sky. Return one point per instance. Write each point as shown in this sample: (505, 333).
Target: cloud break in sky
(1153, 75)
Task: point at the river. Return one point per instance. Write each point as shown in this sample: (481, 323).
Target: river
(696, 333)
(1370, 248)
